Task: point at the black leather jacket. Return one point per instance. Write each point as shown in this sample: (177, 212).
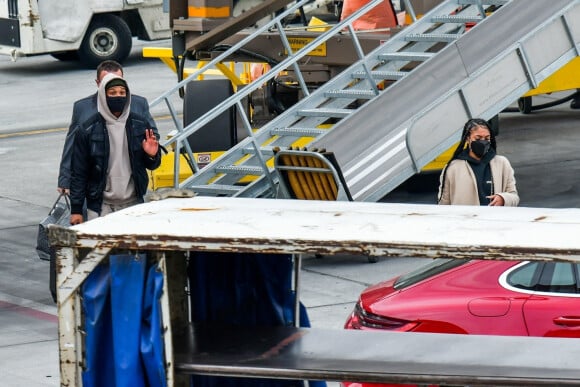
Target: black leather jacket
(90, 159)
(83, 109)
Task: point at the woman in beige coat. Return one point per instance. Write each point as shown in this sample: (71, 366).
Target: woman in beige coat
(476, 175)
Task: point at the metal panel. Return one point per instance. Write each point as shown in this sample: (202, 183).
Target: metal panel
(231, 26)
(399, 164)
(438, 124)
(507, 26)
(573, 19)
(9, 32)
(422, 358)
(339, 50)
(541, 48)
(491, 85)
(278, 226)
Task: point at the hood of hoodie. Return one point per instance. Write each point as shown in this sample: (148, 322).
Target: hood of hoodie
(119, 187)
(102, 106)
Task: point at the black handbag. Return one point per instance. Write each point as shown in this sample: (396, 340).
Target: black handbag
(59, 214)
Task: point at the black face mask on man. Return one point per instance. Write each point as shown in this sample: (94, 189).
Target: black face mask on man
(116, 104)
(480, 147)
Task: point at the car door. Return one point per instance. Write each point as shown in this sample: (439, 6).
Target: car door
(554, 308)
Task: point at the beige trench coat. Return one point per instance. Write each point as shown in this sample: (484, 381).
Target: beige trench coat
(460, 186)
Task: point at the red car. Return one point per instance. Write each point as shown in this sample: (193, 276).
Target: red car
(475, 297)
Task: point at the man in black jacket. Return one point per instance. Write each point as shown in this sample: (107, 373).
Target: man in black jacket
(84, 109)
(111, 153)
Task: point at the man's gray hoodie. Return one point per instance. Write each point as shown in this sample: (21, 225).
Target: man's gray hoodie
(120, 188)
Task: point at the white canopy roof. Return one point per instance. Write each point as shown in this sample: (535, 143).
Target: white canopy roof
(296, 226)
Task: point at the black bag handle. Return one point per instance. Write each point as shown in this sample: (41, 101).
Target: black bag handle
(66, 200)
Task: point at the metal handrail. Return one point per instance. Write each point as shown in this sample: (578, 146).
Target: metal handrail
(292, 59)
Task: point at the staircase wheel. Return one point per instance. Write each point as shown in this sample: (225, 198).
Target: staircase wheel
(525, 105)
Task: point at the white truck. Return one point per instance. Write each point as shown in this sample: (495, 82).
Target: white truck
(87, 30)
(90, 30)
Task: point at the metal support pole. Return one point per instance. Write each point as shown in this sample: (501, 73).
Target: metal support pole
(297, 259)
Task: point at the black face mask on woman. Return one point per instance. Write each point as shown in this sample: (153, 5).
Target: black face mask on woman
(480, 147)
(116, 104)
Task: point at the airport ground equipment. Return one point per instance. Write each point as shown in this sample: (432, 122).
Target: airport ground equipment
(402, 105)
(97, 30)
(89, 31)
(169, 231)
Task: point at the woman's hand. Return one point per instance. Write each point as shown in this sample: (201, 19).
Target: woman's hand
(496, 200)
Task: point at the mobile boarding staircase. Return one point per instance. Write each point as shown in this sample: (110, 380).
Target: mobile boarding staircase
(401, 105)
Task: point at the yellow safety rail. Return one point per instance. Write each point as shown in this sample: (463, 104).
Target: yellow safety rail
(165, 54)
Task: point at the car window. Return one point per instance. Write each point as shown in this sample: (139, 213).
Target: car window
(438, 265)
(526, 276)
(553, 277)
(558, 278)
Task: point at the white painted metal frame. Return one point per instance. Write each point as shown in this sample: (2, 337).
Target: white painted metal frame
(299, 227)
(262, 225)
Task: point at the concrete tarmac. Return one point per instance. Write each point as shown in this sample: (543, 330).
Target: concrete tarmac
(37, 96)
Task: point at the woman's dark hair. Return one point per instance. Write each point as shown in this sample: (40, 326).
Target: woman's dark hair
(467, 128)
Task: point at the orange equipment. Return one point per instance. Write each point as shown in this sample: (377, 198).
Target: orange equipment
(381, 16)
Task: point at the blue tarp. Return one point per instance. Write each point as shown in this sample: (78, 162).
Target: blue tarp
(123, 346)
(121, 302)
(247, 290)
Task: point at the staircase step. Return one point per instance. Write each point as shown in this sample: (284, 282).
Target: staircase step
(298, 132)
(265, 150)
(240, 169)
(484, 2)
(456, 19)
(331, 113)
(432, 37)
(349, 93)
(406, 56)
(388, 75)
(215, 189)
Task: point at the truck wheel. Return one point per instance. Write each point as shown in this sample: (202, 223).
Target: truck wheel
(107, 38)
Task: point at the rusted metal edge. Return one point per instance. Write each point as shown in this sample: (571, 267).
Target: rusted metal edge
(85, 267)
(61, 236)
(327, 247)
